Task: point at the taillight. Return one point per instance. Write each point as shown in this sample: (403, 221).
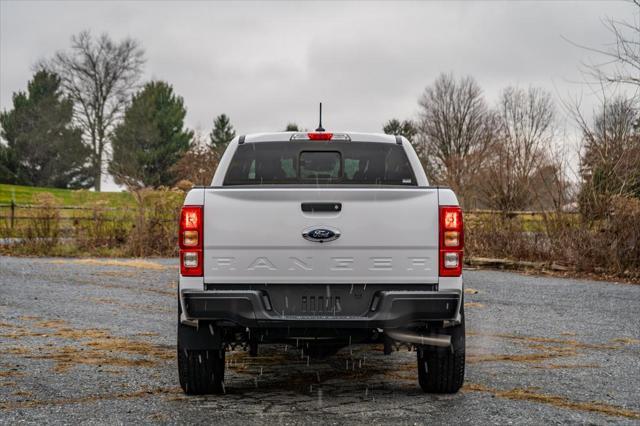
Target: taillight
(451, 241)
(190, 241)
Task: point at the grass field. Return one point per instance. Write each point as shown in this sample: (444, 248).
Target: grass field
(68, 197)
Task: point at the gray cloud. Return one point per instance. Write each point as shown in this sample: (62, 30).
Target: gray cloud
(266, 64)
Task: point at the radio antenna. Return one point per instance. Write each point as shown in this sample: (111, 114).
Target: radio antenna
(320, 128)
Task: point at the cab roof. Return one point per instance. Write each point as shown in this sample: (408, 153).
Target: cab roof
(286, 136)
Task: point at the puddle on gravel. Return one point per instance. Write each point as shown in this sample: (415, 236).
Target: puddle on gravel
(405, 373)
(303, 375)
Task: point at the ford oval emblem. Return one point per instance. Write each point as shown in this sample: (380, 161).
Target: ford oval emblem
(320, 235)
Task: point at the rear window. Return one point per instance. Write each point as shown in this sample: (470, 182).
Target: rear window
(320, 163)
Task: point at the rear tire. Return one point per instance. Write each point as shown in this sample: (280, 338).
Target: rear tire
(441, 370)
(200, 372)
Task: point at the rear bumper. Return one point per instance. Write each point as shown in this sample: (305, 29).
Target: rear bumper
(385, 309)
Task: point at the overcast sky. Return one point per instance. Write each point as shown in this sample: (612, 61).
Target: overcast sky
(265, 64)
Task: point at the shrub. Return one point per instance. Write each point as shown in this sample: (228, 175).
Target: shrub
(504, 235)
(155, 228)
(184, 185)
(42, 227)
(610, 245)
(102, 227)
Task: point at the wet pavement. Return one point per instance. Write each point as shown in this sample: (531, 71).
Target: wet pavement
(93, 341)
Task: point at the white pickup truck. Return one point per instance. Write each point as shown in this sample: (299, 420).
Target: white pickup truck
(320, 240)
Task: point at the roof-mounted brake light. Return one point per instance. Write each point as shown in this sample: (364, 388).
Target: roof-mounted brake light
(320, 136)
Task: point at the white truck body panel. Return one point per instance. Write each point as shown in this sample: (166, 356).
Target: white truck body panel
(255, 236)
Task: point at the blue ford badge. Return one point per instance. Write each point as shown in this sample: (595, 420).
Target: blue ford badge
(320, 235)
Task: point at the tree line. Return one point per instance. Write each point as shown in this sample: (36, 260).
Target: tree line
(508, 156)
(491, 157)
(84, 113)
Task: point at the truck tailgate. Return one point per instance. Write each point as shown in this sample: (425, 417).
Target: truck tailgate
(254, 235)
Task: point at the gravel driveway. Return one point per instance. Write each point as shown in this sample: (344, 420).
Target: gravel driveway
(93, 341)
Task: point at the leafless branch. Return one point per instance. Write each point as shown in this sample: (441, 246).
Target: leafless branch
(620, 62)
(520, 154)
(99, 75)
(455, 129)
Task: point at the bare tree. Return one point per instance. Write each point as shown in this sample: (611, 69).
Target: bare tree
(520, 155)
(99, 75)
(620, 58)
(455, 129)
(610, 162)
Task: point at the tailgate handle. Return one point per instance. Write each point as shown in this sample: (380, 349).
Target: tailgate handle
(321, 207)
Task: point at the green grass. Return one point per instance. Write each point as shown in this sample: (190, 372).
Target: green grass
(68, 197)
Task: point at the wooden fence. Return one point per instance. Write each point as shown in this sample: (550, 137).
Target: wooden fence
(16, 218)
(13, 215)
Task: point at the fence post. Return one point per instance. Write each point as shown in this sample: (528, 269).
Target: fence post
(13, 213)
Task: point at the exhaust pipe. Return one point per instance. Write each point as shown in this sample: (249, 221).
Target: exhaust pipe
(441, 340)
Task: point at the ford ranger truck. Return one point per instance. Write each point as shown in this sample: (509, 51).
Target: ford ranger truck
(320, 240)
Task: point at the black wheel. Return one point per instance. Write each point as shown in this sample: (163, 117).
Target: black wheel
(200, 372)
(441, 370)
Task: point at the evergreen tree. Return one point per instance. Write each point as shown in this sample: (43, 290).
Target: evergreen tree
(150, 139)
(43, 147)
(292, 127)
(222, 133)
(8, 165)
(405, 128)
